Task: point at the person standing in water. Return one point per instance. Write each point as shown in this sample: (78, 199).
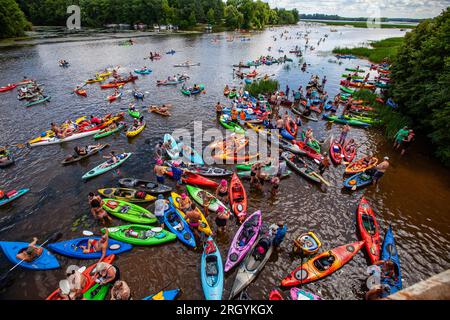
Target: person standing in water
(380, 170)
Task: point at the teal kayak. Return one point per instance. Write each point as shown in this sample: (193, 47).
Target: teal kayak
(226, 122)
(11, 196)
(105, 133)
(106, 166)
(32, 103)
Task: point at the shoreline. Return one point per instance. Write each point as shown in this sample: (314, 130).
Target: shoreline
(361, 24)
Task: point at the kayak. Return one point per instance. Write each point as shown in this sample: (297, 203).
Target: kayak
(252, 265)
(292, 128)
(87, 274)
(359, 166)
(112, 85)
(369, 230)
(314, 144)
(74, 159)
(230, 145)
(105, 133)
(313, 269)
(12, 195)
(268, 171)
(142, 235)
(134, 113)
(261, 130)
(129, 195)
(353, 76)
(187, 65)
(46, 261)
(203, 171)
(128, 211)
(106, 74)
(175, 147)
(275, 295)
(358, 180)
(298, 166)
(8, 88)
(285, 134)
(308, 151)
(191, 91)
(89, 81)
(226, 122)
(179, 226)
(350, 154)
(196, 179)
(133, 133)
(35, 102)
(238, 197)
(164, 295)
(72, 248)
(211, 271)
(168, 83)
(389, 252)
(9, 160)
(139, 95)
(81, 92)
(355, 70)
(171, 52)
(55, 140)
(288, 146)
(191, 154)
(144, 185)
(347, 90)
(114, 97)
(98, 292)
(243, 240)
(300, 294)
(337, 119)
(204, 225)
(368, 120)
(196, 194)
(336, 154)
(143, 71)
(106, 166)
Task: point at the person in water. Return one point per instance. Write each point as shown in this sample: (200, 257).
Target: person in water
(279, 231)
(400, 136)
(222, 191)
(207, 198)
(324, 163)
(31, 253)
(344, 133)
(161, 206)
(407, 142)
(76, 282)
(275, 183)
(106, 273)
(100, 245)
(194, 217)
(98, 212)
(184, 202)
(159, 170)
(120, 291)
(221, 219)
(380, 170)
(219, 108)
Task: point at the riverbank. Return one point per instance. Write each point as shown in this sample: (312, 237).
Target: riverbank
(362, 24)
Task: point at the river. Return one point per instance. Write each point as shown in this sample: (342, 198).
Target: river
(412, 197)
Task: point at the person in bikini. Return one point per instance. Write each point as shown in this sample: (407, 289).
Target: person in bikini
(31, 253)
(222, 191)
(194, 217)
(206, 198)
(98, 212)
(100, 245)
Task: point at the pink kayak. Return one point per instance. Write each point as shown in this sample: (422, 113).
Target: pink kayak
(247, 234)
(300, 294)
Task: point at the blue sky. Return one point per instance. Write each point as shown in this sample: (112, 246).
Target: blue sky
(367, 8)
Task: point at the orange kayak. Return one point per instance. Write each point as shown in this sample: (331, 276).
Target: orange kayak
(112, 85)
(292, 128)
(81, 93)
(238, 197)
(314, 268)
(87, 273)
(360, 166)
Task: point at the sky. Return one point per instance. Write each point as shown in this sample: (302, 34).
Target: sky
(367, 8)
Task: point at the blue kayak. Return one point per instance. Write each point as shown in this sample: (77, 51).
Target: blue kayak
(211, 271)
(389, 252)
(286, 134)
(165, 295)
(176, 223)
(138, 95)
(13, 197)
(144, 71)
(45, 261)
(71, 248)
(361, 179)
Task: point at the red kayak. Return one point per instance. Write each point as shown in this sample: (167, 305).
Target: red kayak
(292, 128)
(8, 88)
(82, 93)
(369, 230)
(310, 152)
(349, 155)
(336, 152)
(89, 277)
(238, 197)
(314, 268)
(112, 85)
(275, 295)
(196, 179)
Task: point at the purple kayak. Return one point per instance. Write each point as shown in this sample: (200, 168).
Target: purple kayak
(243, 240)
(300, 294)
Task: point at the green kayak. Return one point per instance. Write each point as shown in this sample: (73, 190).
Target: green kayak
(355, 70)
(128, 211)
(314, 144)
(191, 91)
(134, 113)
(144, 235)
(344, 75)
(232, 94)
(196, 194)
(232, 126)
(337, 119)
(368, 120)
(97, 292)
(105, 133)
(105, 166)
(347, 90)
(248, 165)
(32, 103)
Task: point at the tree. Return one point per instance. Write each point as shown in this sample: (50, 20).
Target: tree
(12, 20)
(210, 16)
(233, 18)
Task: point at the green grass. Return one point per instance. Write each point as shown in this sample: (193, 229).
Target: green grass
(363, 24)
(262, 87)
(386, 48)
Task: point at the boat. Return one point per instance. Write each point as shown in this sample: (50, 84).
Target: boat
(204, 225)
(12, 195)
(38, 101)
(226, 122)
(46, 261)
(369, 230)
(133, 131)
(195, 179)
(360, 166)
(144, 185)
(196, 194)
(238, 197)
(8, 88)
(187, 65)
(106, 166)
(76, 158)
(125, 194)
(340, 120)
(211, 271)
(389, 252)
(358, 180)
(107, 132)
(336, 152)
(140, 235)
(192, 91)
(143, 71)
(300, 167)
(164, 295)
(114, 97)
(175, 222)
(128, 211)
(300, 294)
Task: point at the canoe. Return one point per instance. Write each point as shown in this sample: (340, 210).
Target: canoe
(359, 180)
(358, 166)
(114, 97)
(337, 119)
(300, 294)
(248, 233)
(369, 230)
(164, 295)
(128, 211)
(238, 197)
(46, 261)
(97, 292)
(129, 195)
(143, 71)
(275, 295)
(72, 248)
(204, 225)
(42, 100)
(9, 160)
(226, 122)
(389, 252)
(112, 85)
(336, 153)
(88, 274)
(73, 159)
(105, 133)
(196, 179)
(145, 235)
(133, 133)
(292, 128)
(144, 185)
(313, 270)
(252, 264)
(12, 195)
(179, 226)
(211, 271)
(191, 91)
(298, 166)
(106, 166)
(196, 194)
(175, 147)
(134, 113)
(8, 88)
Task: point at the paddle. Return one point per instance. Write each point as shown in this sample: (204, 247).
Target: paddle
(321, 178)
(53, 238)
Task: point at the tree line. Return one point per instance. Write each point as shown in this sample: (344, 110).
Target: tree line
(320, 16)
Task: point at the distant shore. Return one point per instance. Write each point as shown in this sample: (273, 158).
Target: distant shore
(361, 24)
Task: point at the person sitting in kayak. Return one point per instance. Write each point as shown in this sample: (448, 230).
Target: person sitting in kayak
(76, 282)
(95, 120)
(261, 248)
(177, 174)
(31, 253)
(387, 268)
(234, 115)
(325, 263)
(222, 191)
(275, 182)
(83, 151)
(4, 155)
(57, 130)
(100, 245)
(106, 273)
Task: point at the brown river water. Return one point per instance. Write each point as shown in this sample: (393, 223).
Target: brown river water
(412, 197)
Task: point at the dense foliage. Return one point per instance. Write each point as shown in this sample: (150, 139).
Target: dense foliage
(264, 87)
(320, 16)
(246, 14)
(12, 20)
(421, 80)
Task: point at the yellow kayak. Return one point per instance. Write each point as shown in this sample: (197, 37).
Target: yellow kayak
(260, 129)
(105, 75)
(95, 80)
(204, 226)
(133, 133)
(124, 194)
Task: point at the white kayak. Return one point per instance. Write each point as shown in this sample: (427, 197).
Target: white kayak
(56, 140)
